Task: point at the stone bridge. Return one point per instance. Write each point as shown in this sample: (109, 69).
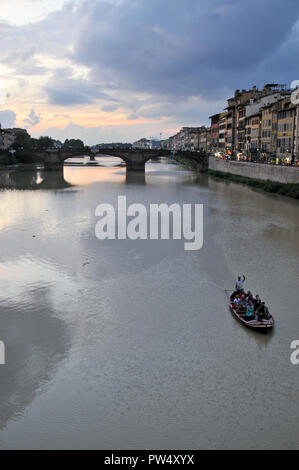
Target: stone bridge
(135, 159)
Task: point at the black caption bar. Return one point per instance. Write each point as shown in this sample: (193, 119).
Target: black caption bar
(140, 458)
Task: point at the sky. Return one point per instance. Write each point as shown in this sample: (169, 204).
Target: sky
(120, 70)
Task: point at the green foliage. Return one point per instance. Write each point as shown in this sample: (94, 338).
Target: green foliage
(45, 142)
(23, 141)
(284, 189)
(73, 144)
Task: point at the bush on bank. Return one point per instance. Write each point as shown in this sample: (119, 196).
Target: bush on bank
(17, 157)
(285, 189)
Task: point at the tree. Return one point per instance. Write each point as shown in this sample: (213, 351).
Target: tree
(45, 142)
(23, 141)
(34, 143)
(74, 144)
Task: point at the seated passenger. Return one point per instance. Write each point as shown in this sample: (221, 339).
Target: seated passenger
(250, 311)
(261, 311)
(237, 300)
(268, 315)
(257, 302)
(233, 295)
(244, 301)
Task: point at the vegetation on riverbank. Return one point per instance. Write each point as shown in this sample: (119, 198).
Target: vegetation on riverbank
(285, 189)
(184, 162)
(16, 158)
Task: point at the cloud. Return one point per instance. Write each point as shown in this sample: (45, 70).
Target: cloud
(64, 91)
(174, 48)
(169, 60)
(98, 134)
(109, 108)
(7, 118)
(31, 120)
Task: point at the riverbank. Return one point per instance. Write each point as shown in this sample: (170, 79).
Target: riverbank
(7, 159)
(260, 171)
(183, 162)
(284, 189)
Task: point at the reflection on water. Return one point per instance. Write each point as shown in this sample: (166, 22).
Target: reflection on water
(90, 175)
(33, 179)
(121, 344)
(36, 340)
(38, 179)
(105, 161)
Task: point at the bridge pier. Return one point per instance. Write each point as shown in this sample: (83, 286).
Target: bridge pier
(136, 166)
(135, 177)
(53, 166)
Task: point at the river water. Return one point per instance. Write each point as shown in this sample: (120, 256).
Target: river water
(130, 344)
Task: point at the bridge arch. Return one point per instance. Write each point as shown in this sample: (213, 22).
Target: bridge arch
(135, 159)
(199, 159)
(123, 158)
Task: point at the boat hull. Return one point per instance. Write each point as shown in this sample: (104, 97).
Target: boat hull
(258, 325)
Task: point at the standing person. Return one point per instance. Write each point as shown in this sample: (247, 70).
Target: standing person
(240, 283)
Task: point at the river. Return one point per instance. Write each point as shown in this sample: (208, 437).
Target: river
(131, 344)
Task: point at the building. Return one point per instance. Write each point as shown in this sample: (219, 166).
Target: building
(252, 137)
(205, 139)
(229, 132)
(141, 144)
(286, 126)
(187, 139)
(279, 130)
(244, 104)
(215, 132)
(222, 132)
(8, 137)
(266, 131)
(154, 144)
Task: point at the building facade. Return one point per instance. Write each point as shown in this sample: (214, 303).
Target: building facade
(8, 137)
(286, 124)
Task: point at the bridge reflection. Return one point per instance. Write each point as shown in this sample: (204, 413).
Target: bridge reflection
(72, 176)
(33, 179)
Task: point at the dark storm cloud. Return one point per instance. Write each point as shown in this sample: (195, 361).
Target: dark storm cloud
(64, 91)
(158, 59)
(185, 48)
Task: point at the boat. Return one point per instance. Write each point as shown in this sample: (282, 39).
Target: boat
(260, 325)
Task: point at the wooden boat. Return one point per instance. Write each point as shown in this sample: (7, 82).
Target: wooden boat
(261, 325)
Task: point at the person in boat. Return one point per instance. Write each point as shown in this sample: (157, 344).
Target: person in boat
(261, 311)
(237, 300)
(268, 315)
(240, 283)
(257, 303)
(244, 300)
(238, 287)
(250, 312)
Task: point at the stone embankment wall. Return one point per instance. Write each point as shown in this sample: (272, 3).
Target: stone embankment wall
(280, 174)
